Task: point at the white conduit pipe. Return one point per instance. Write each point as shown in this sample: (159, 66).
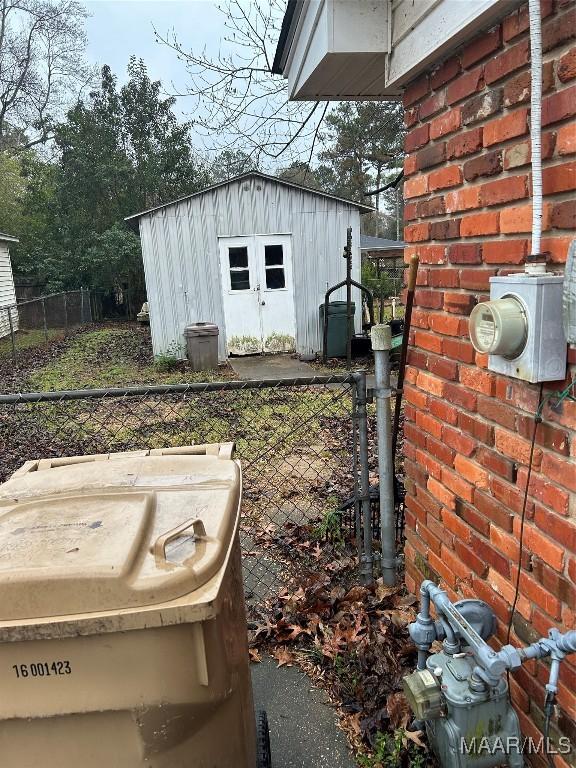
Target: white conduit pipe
(536, 125)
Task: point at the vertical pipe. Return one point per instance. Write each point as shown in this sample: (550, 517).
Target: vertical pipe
(380, 291)
(397, 212)
(381, 344)
(357, 517)
(12, 337)
(425, 621)
(536, 124)
(412, 274)
(325, 329)
(366, 575)
(44, 321)
(349, 331)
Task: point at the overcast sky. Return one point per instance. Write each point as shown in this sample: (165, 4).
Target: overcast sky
(118, 29)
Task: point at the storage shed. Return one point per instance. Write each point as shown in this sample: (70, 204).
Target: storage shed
(255, 255)
(7, 291)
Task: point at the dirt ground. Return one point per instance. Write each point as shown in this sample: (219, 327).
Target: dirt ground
(295, 445)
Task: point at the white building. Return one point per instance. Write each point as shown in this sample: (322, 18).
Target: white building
(254, 255)
(7, 290)
(371, 49)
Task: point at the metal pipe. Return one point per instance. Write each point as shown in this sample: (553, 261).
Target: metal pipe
(12, 339)
(159, 389)
(381, 344)
(411, 287)
(349, 332)
(44, 321)
(361, 415)
(357, 510)
(536, 130)
(427, 624)
(491, 664)
(329, 292)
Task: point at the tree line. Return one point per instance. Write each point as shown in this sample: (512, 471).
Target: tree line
(78, 153)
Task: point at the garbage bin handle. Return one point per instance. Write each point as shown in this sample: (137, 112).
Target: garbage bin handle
(159, 546)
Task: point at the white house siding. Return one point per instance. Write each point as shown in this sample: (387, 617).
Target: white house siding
(181, 255)
(7, 292)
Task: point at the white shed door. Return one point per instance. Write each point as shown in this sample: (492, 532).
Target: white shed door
(258, 294)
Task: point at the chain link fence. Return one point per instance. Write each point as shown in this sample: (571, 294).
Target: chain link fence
(35, 322)
(302, 444)
(385, 278)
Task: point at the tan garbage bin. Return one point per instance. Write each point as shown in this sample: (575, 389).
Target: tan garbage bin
(202, 346)
(123, 631)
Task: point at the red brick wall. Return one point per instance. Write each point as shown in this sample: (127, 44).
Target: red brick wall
(467, 430)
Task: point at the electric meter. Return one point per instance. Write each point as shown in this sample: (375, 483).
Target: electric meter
(520, 328)
(499, 327)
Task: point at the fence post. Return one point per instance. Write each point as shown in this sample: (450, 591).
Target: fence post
(65, 312)
(44, 321)
(357, 510)
(381, 343)
(361, 417)
(81, 305)
(12, 339)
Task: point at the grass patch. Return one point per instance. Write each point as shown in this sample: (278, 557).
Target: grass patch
(282, 430)
(112, 357)
(28, 340)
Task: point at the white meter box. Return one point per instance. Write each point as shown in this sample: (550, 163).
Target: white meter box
(521, 327)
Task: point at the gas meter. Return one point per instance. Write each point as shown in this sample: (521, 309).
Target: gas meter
(520, 328)
(460, 694)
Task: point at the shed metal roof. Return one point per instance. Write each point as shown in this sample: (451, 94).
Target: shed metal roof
(258, 174)
(8, 238)
(369, 243)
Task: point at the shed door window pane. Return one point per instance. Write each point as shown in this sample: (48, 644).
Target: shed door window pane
(239, 279)
(275, 278)
(238, 257)
(273, 255)
(239, 272)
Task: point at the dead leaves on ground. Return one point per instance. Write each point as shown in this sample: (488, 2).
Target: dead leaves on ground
(283, 656)
(353, 640)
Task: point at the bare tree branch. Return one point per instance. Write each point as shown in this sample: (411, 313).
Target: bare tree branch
(235, 100)
(42, 45)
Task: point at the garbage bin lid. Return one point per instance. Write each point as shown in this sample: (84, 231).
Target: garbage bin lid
(201, 329)
(111, 532)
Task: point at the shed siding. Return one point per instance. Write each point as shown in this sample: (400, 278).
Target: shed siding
(181, 254)
(7, 292)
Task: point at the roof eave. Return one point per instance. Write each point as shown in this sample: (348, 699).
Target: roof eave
(286, 36)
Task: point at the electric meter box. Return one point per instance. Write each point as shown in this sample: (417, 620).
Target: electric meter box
(521, 327)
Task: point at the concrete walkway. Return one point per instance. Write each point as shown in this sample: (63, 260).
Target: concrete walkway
(303, 730)
(303, 726)
(283, 367)
(271, 367)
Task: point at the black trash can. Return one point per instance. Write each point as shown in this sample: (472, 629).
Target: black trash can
(337, 336)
